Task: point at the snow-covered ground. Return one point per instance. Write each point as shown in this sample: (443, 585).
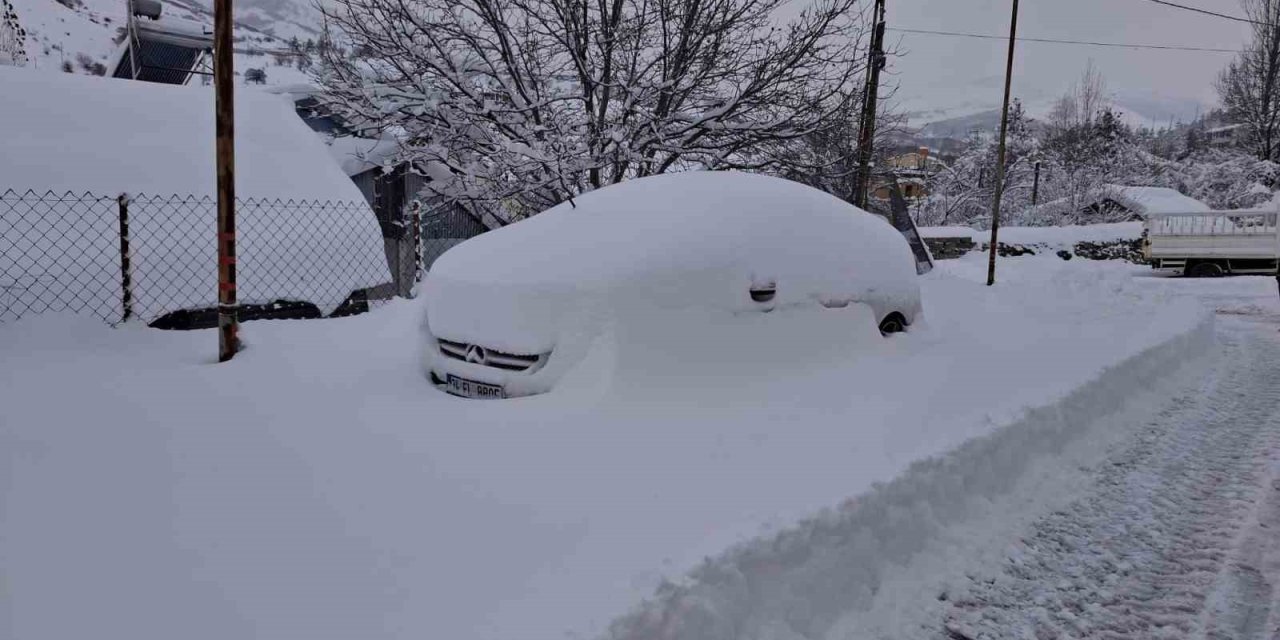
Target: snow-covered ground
(318, 487)
(1167, 533)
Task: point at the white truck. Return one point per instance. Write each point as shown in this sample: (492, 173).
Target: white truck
(1212, 243)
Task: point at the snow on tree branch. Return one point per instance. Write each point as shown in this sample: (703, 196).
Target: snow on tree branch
(512, 106)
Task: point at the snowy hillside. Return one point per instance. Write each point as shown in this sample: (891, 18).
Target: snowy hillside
(84, 35)
(982, 113)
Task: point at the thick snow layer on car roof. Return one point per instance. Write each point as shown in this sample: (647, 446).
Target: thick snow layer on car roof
(684, 219)
(67, 133)
(698, 239)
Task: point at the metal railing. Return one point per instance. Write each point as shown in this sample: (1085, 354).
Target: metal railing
(1242, 222)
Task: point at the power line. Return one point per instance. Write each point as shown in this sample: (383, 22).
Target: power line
(1120, 45)
(1210, 13)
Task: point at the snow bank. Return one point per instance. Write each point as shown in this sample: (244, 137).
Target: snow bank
(318, 487)
(64, 133)
(806, 580)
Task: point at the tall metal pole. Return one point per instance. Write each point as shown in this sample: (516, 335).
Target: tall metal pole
(867, 128)
(1004, 130)
(224, 89)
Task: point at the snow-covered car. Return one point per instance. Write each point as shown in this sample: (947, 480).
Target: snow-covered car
(511, 311)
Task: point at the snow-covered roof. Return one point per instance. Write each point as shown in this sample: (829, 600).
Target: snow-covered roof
(1141, 201)
(1230, 127)
(356, 155)
(1153, 201)
(295, 91)
(178, 31)
(65, 132)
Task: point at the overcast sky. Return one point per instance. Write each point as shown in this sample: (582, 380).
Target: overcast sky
(959, 73)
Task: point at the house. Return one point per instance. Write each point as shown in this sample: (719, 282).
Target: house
(912, 189)
(397, 193)
(912, 171)
(162, 49)
(394, 189)
(74, 143)
(1113, 203)
(921, 160)
(1232, 135)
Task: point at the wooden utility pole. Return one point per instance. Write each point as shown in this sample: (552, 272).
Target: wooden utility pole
(224, 88)
(870, 97)
(1035, 187)
(1004, 130)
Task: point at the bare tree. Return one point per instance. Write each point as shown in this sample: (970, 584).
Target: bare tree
(1082, 103)
(516, 105)
(1248, 86)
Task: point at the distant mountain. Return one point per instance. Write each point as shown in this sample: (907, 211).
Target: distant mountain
(1138, 110)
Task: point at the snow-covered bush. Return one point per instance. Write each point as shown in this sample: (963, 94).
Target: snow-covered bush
(1228, 180)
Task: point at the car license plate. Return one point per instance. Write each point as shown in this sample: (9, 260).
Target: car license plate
(472, 389)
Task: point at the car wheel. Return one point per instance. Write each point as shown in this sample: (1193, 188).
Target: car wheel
(1205, 270)
(893, 323)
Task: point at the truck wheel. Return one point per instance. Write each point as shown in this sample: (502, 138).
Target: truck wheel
(1205, 270)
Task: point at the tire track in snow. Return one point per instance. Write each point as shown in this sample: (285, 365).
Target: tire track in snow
(1148, 552)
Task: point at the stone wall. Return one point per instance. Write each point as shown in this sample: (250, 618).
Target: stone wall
(1128, 250)
(949, 248)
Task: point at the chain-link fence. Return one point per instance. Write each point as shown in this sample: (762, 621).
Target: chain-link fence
(154, 258)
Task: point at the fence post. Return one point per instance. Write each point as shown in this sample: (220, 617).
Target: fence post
(416, 209)
(126, 270)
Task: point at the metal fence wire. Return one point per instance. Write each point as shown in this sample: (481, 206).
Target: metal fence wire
(153, 258)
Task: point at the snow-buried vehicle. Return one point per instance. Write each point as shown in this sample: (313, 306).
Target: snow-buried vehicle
(511, 311)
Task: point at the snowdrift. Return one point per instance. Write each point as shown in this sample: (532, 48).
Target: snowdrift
(344, 497)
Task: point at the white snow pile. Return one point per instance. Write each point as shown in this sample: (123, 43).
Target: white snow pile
(64, 133)
(686, 240)
(319, 487)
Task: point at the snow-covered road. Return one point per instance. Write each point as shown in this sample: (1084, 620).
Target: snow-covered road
(814, 498)
(1176, 537)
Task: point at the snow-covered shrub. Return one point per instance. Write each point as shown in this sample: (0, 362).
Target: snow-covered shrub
(1229, 179)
